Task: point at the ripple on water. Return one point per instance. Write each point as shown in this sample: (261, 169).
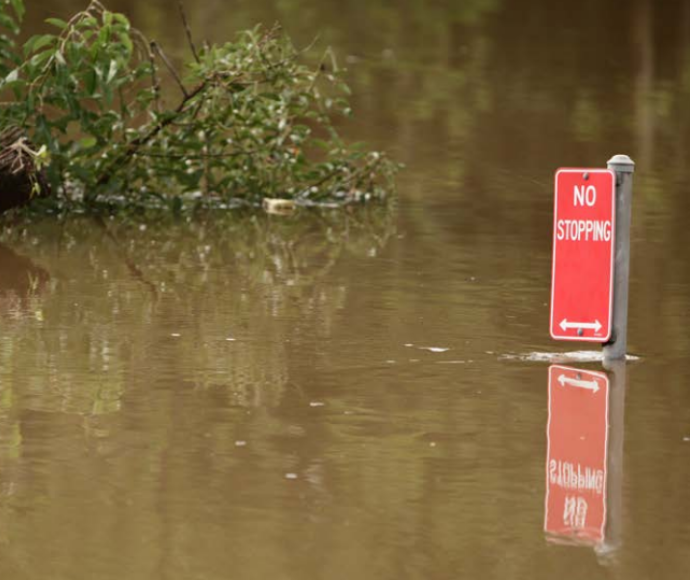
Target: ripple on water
(581, 356)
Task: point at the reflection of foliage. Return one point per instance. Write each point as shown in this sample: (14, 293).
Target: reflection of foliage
(20, 283)
(168, 309)
(225, 290)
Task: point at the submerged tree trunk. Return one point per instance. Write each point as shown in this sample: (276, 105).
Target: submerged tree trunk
(20, 180)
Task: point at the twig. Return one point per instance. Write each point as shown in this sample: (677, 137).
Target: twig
(144, 46)
(188, 30)
(186, 156)
(155, 46)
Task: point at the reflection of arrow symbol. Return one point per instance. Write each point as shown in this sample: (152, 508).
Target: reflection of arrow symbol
(591, 385)
(565, 325)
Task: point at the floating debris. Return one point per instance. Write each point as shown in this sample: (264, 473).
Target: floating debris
(240, 443)
(278, 206)
(290, 476)
(317, 404)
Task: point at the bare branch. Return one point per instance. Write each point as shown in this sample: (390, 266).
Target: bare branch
(191, 156)
(155, 46)
(188, 30)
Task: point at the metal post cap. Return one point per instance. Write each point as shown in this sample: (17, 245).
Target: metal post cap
(621, 163)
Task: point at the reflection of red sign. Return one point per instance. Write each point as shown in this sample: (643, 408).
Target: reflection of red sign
(576, 458)
(583, 237)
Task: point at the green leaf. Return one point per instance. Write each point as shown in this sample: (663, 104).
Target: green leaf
(127, 42)
(87, 22)
(40, 58)
(121, 19)
(9, 23)
(321, 144)
(90, 81)
(108, 94)
(87, 142)
(104, 36)
(59, 23)
(19, 9)
(112, 71)
(12, 77)
(36, 43)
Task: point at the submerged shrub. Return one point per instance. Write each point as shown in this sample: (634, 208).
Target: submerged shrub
(245, 120)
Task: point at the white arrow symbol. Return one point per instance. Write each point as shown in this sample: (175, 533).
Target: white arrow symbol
(591, 385)
(565, 325)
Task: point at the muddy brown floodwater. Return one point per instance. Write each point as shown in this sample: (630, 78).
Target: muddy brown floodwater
(365, 395)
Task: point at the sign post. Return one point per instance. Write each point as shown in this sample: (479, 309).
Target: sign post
(623, 167)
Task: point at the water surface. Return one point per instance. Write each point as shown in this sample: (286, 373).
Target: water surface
(355, 394)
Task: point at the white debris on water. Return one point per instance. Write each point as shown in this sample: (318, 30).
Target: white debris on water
(175, 335)
(429, 348)
(290, 476)
(230, 339)
(562, 357)
(317, 404)
(240, 443)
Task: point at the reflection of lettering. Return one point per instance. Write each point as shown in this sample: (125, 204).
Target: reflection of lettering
(573, 476)
(575, 512)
